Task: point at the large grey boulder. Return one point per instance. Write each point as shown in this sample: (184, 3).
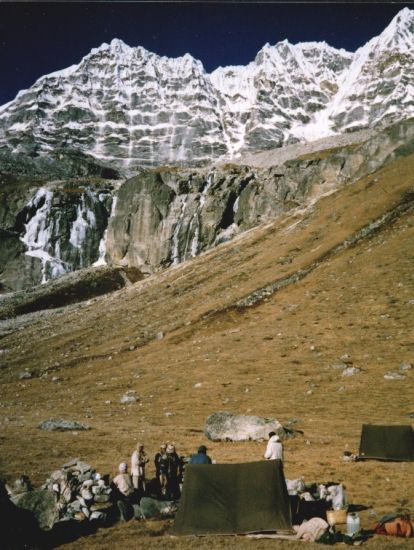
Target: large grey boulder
(42, 504)
(151, 508)
(60, 424)
(224, 426)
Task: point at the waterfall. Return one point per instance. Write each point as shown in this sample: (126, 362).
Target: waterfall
(175, 255)
(197, 216)
(102, 243)
(37, 238)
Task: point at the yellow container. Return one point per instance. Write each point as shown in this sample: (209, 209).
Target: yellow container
(336, 517)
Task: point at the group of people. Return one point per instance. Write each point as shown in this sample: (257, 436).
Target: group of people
(169, 471)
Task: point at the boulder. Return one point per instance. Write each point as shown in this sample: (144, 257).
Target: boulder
(128, 399)
(223, 426)
(152, 508)
(60, 424)
(351, 371)
(42, 503)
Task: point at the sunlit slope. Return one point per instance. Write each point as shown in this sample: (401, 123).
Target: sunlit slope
(344, 267)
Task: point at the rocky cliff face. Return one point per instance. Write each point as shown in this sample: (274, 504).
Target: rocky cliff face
(50, 230)
(162, 217)
(165, 217)
(133, 108)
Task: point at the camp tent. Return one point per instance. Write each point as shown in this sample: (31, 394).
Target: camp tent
(387, 442)
(233, 498)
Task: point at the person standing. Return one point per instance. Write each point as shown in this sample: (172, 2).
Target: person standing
(160, 468)
(171, 468)
(274, 449)
(138, 461)
(201, 457)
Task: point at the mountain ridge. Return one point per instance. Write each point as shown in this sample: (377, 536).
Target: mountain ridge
(133, 108)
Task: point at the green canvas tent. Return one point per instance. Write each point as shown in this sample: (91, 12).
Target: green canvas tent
(233, 498)
(387, 442)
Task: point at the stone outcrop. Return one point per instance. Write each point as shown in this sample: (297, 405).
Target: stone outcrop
(223, 426)
(62, 425)
(71, 288)
(164, 216)
(42, 504)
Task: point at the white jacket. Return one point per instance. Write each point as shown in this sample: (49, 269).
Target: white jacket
(274, 449)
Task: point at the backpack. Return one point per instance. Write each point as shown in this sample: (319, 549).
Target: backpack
(401, 526)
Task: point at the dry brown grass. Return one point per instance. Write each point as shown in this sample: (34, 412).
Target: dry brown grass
(272, 360)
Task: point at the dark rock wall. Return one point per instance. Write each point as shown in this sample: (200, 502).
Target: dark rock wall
(162, 217)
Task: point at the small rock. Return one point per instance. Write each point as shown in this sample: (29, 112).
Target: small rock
(100, 506)
(410, 302)
(131, 348)
(102, 498)
(339, 366)
(85, 510)
(393, 376)
(81, 500)
(168, 414)
(128, 399)
(160, 335)
(97, 516)
(198, 385)
(351, 371)
(75, 506)
(405, 366)
(346, 358)
(86, 494)
(25, 375)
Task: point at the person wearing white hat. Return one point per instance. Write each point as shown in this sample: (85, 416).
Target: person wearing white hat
(123, 492)
(123, 481)
(274, 449)
(171, 467)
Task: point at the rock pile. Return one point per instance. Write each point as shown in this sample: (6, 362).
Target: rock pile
(80, 493)
(75, 492)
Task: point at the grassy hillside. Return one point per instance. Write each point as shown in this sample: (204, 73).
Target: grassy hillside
(345, 271)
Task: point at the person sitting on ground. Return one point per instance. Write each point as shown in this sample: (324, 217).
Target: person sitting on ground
(138, 461)
(123, 492)
(274, 448)
(201, 457)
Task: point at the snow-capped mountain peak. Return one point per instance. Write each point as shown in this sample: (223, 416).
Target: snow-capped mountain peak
(133, 107)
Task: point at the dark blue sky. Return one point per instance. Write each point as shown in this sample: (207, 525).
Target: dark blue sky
(37, 38)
